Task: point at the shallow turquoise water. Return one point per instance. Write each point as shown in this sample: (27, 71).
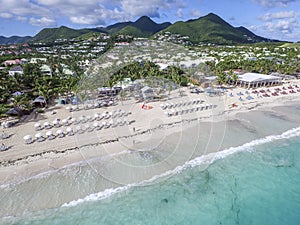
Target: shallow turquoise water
(260, 185)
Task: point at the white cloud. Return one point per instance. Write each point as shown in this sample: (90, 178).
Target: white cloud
(275, 3)
(196, 13)
(179, 13)
(278, 15)
(22, 8)
(282, 26)
(6, 15)
(43, 21)
(88, 12)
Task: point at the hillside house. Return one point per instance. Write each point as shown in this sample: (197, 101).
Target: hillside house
(15, 70)
(46, 70)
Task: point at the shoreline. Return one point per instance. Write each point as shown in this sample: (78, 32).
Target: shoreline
(37, 161)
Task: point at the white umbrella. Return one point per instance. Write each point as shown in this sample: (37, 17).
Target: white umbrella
(82, 118)
(64, 121)
(37, 125)
(73, 120)
(96, 115)
(38, 135)
(27, 137)
(69, 129)
(96, 124)
(49, 133)
(47, 125)
(60, 133)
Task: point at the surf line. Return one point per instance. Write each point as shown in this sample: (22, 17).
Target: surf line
(208, 159)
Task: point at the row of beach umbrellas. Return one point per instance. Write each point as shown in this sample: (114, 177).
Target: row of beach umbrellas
(69, 131)
(81, 120)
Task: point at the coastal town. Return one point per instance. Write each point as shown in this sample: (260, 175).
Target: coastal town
(139, 74)
(149, 112)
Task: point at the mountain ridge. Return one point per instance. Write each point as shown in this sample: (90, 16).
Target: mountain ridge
(209, 28)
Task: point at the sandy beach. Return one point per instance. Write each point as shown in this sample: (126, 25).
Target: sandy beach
(138, 128)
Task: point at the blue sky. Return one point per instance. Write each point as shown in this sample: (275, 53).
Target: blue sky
(276, 19)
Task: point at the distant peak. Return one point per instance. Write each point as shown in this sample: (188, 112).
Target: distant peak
(144, 18)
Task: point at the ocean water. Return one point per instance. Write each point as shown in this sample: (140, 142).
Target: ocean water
(252, 177)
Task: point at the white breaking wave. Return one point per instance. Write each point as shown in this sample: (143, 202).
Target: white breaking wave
(205, 159)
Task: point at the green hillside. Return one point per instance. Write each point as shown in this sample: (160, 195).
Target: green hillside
(14, 40)
(52, 34)
(211, 28)
(208, 29)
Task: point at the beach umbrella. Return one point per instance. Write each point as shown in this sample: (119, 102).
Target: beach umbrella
(96, 116)
(49, 133)
(87, 126)
(28, 139)
(47, 125)
(73, 120)
(64, 122)
(82, 119)
(59, 133)
(55, 122)
(69, 131)
(96, 124)
(38, 135)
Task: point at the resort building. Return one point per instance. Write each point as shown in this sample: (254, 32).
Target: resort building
(254, 80)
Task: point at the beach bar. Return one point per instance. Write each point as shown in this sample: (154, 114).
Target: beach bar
(254, 80)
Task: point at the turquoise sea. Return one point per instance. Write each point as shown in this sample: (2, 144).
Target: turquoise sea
(257, 182)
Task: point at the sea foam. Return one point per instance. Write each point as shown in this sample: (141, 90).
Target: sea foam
(204, 159)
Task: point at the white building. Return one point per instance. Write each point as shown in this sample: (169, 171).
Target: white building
(254, 80)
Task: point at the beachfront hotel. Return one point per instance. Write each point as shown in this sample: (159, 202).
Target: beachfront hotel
(255, 80)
